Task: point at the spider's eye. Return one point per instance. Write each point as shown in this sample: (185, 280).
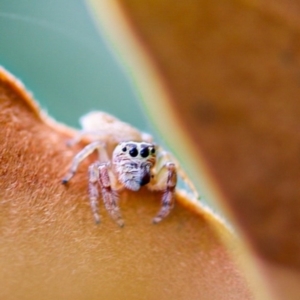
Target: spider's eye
(133, 152)
(124, 149)
(144, 152)
(153, 151)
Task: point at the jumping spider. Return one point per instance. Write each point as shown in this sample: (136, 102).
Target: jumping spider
(133, 164)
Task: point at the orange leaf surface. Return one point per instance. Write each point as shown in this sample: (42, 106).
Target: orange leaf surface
(50, 247)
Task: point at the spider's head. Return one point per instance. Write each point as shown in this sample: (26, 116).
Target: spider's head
(133, 162)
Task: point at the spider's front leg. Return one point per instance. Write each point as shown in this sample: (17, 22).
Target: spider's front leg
(166, 181)
(84, 153)
(93, 190)
(110, 196)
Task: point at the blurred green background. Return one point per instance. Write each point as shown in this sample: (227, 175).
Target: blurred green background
(55, 49)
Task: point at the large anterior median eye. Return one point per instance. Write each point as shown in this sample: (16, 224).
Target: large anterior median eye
(145, 152)
(133, 152)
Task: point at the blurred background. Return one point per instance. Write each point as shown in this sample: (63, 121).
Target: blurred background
(55, 49)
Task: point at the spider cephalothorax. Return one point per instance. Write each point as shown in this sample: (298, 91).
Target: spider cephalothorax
(131, 165)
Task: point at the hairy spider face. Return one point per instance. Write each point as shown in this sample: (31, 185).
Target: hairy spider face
(133, 162)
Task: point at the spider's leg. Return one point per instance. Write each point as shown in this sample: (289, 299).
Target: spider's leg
(166, 156)
(166, 182)
(80, 135)
(93, 190)
(85, 152)
(76, 139)
(110, 197)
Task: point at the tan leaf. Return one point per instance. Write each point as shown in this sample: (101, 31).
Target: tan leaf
(225, 76)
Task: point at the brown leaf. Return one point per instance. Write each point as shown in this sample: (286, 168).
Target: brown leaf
(50, 248)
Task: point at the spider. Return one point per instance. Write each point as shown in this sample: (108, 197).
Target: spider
(127, 159)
